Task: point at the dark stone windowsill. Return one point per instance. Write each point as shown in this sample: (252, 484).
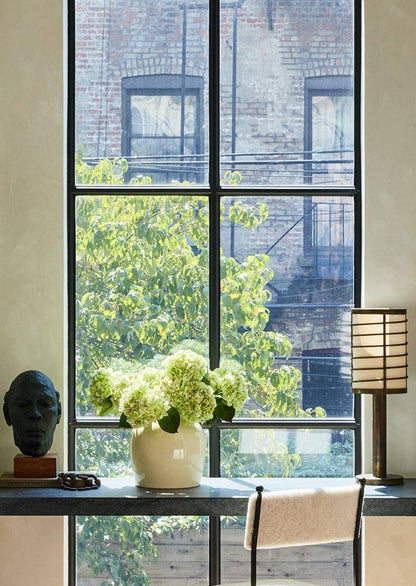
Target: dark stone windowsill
(215, 496)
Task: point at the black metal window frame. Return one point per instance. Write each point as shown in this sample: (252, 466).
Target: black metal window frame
(215, 192)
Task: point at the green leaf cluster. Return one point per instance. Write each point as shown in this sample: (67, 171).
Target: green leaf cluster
(142, 272)
(116, 547)
(142, 286)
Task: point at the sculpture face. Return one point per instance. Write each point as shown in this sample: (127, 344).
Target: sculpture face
(32, 408)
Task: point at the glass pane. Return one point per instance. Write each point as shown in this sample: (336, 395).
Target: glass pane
(287, 290)
(160, 115)
(303, 453)
(327, 565)
(155, 551)
(142, 72)
(153, 53)
(106, 452)
(141, 281)
(269, 53)
(332, 139)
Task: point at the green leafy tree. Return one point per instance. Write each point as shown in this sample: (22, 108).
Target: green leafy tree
(116, 547)
(142, 288)
(142, 278)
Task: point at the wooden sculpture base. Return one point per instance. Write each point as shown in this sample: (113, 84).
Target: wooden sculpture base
(8, 480)
(36, 467)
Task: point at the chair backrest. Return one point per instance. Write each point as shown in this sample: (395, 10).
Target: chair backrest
(306, 516)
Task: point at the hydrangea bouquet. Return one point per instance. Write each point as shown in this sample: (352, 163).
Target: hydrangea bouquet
(181, 389)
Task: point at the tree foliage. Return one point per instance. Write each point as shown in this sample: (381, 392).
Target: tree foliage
(116, 547)
(142, 271)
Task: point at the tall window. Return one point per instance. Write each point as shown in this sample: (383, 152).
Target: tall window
(214, 199)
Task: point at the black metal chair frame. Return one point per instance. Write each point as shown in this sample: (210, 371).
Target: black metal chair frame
(356, 540)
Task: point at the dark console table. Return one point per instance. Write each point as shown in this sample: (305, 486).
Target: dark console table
(215, 496)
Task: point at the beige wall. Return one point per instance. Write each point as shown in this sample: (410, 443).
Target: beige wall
(390, 204)
(32, 288)
(31, 252)
(390, 251)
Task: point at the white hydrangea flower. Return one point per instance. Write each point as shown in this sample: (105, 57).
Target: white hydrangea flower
(231, 386)
(194, 400)
(185, 365)
(183, 381)
(102, 392)
(142, 403)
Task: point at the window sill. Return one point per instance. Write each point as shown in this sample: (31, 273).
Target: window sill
(215, 496)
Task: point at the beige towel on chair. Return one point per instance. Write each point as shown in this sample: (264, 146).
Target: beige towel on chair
(304, 516)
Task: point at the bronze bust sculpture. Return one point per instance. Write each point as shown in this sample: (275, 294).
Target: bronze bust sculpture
(32, 407)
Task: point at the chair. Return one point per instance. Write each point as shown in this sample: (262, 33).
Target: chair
(299, 517)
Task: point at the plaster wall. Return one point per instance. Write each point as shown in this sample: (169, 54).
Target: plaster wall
(390, 252)
(32, 301)
(32, 260)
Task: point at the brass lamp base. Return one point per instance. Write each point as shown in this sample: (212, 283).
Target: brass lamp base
(382, 481)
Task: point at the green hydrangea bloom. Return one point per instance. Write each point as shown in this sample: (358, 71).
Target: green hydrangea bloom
(185, 365)
(194, 400)
(143, 403)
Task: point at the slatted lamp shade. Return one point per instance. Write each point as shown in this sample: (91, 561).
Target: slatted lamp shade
(379, 367)
(379, 350)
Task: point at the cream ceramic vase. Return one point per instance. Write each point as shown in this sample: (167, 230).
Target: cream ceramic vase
(167, 460)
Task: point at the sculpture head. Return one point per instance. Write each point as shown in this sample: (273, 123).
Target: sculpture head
(32, 407)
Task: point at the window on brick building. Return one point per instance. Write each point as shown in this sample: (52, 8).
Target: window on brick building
(329, 135)
(329, 151)
(162, 126)
(214, 201)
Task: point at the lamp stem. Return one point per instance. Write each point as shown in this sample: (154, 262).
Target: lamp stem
(380, 475)
(379, 435)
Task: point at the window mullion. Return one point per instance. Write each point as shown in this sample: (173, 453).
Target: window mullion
(214, 181)
(214, 263)
(214, 94)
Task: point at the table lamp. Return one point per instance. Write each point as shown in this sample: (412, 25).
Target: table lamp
(379, 368)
